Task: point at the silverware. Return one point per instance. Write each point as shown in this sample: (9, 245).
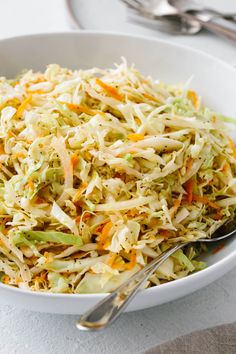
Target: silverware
(153, 10)
(172, 24)
(196, 7)
(107, 310)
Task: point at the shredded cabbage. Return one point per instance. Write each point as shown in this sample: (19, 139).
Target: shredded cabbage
(103, 170)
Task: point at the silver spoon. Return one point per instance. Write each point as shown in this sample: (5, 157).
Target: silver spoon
(107, 310)
(172, 24)
(195, 7)
(162, 8)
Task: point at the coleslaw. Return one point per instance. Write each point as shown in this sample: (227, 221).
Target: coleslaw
(103, 170)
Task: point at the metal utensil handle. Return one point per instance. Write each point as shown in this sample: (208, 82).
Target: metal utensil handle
(217, 28)
(107, 310)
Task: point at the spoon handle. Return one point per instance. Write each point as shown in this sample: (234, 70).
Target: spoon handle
(214, 27)
(107, 310)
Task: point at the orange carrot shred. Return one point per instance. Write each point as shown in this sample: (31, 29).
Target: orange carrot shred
(23, 105)
(6, 279)
(189, 164)
(192, 96)
(135, 137)
(74, 160)
(30, 184)
(105, 233)
(132, 261)
(2, 151)
(112, 91)
(233, 148)
(18, 155)
(111, 259)
(217, 216)
(40, 200)
(13, 135)
(165, 233)
(226, 167)
(85, 217)
(151, 98)
(189, 189)
(177, 203)
(205, 200)
(82, 109)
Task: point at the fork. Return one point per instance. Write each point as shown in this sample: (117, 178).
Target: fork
(164, 8)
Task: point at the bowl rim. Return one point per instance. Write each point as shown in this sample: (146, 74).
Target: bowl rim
(190, 279)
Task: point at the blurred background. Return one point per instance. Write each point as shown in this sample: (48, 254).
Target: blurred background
(27, 16)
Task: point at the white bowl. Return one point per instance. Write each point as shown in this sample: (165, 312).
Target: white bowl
(214, 80)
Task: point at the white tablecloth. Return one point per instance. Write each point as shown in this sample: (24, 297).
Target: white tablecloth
(24, 332)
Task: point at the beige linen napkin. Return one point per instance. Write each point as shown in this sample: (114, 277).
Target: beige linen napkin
(216, 340)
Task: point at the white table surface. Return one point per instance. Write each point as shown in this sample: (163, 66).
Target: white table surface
(24, 332)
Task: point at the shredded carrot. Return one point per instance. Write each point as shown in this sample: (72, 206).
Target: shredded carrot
(176, 205)
(104, 235)
(78, 219)
(88, 155)
(233, 148)
(2, 151)
(80, 108)
(40, 200)
(189, 164)
(165, 233)
(153, 222)
(192, 96)
(29, 141)
(5, 279)
(138, 120)
(132, 213)
(119, 265)
(111, 259)
(218, 248)
(107, 243)
(48, 257)
(30, 184)
(23, 105)
(18, 154)
(85, 217)
(151, 98)
(189, 189)
(80, 191)
(135, 137)
(226, 167)
(39, 92)
(217, 216)
(74, 160)
(132, 261)
(99, 228)
(10, 133)
(5, 232)
(205, 200)
(112, 91)
(120, 176)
